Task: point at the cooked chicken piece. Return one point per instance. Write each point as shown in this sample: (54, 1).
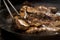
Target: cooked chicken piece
(23, 12)
(24, 8)
(55, 24)
(53, 28)
(21, 24)
(33, 21)
(53, 16)
(38, 10)
(41, 29)
(32, 10)
(44, 22)
(35, 10)
(32, 30)
(37, 19)
(53, 9)
(47, 28)
(37, 24)
(42, 8)
(58, 14)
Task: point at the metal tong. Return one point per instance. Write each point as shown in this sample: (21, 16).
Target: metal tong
(9, 9)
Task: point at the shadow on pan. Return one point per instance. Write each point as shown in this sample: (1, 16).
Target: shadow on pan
(9, 34)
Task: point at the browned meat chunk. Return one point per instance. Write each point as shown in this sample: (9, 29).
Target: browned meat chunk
(32, 30)
(21, 24)
(37, 19)
(53, 9)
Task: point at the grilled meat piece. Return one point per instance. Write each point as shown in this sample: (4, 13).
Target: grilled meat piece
(38, 10)
(53, 16)
(32, 30)
(48, 28)
(52, 28)
(55, 24)
(37, 19)
(23, 12)
(21, 24)
(53, 10)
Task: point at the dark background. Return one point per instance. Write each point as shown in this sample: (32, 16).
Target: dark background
(15, 2)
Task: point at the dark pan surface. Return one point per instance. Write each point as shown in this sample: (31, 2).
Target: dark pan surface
(7, 23)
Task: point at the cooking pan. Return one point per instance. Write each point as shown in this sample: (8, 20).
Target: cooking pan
(7, 28)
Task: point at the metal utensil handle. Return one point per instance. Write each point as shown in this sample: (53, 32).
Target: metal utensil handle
(13, 7)
(8, 8)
